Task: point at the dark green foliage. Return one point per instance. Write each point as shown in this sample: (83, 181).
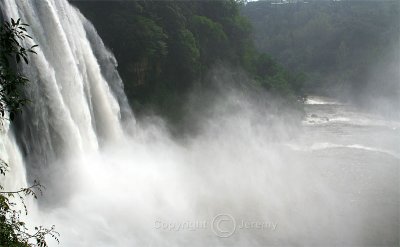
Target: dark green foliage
(166, 48)
(12, 51)
(337, 44)
(13, 231)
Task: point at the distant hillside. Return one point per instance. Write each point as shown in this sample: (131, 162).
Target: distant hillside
(342, 46)
(166, 49)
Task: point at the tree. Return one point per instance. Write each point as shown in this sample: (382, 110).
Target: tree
(13, 231)
(337, 44)
(167, 49)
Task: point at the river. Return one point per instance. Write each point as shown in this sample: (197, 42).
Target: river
(243, 181)
(252, 175)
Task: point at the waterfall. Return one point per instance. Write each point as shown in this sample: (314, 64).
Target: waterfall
(77, 96)
(331, 180)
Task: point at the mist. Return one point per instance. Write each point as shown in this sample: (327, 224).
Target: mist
(348, 50)
(312, 182)
(203, 140)
(381, 95)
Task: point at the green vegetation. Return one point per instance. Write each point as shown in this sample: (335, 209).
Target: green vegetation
(11, 83)
(165, 49)
(348, 46)
(13, 231)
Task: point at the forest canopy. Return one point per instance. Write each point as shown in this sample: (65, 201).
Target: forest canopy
(166, 48)
(342, 46)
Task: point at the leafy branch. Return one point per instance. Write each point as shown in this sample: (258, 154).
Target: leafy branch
(13, 231)
(12, 50)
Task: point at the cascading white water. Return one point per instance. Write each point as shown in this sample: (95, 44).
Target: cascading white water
(326, 182)
(73, 107)
(10, 153)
